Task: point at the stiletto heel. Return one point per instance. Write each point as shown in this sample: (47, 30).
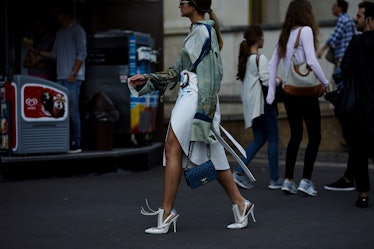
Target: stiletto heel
(251, 211)
(241, 220)
(162, 225)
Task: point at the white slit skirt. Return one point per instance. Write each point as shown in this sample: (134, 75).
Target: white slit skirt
(181, 121)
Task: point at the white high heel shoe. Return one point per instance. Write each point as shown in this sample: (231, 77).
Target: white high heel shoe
(241, 220)
(162, 226)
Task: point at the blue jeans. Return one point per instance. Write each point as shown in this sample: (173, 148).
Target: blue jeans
(75, 121)
(265, 128)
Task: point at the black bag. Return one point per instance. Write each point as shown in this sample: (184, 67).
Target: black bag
(345, 101)
(333, 96)
(279, 95)
(330, 55)
(199, 175)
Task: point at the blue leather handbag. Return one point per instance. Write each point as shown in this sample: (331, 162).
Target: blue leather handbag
(201, 174)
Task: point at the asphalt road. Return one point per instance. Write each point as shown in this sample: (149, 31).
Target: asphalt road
(102, 211)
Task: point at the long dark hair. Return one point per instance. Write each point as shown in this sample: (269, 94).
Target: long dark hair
(251, 35)
(299, 13)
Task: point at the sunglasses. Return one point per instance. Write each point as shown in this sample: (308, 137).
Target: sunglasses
(181, 3)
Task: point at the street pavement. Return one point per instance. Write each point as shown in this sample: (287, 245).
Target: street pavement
(102, 211)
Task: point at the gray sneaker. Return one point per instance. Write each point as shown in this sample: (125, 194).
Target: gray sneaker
(242, 180)
(307, 186)
(276, 184)
(289, 186)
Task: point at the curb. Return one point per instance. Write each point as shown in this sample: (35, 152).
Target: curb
(324, 159)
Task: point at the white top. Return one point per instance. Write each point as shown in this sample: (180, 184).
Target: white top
(305, 52)
(252, 95)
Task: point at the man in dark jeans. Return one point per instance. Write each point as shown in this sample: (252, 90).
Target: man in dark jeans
(346, 182)
(70, 52)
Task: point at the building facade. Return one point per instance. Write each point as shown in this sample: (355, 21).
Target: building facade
(234, 16)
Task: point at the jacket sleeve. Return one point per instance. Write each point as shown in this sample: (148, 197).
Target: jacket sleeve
(161, 80)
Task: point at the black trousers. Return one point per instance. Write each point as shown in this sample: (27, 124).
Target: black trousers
(300, 110)
(357, 136)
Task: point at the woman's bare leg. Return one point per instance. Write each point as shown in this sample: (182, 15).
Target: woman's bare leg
(173, 171)
(173, 174)
(227, 182)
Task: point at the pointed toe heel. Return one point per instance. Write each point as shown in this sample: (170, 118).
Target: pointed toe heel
(162, 225)
(241, 220)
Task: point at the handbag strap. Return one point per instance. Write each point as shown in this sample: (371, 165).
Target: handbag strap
(204, 51)
(297, 40)
(190, 150)
(296, 44)
(264, 93)
(258, 70)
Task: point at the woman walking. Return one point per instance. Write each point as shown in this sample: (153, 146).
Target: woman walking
(195, 113)
(253, 71)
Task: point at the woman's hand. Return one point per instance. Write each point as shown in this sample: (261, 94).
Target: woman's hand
(327, 89)
(278, 80)
(137, 80)
(72, 77)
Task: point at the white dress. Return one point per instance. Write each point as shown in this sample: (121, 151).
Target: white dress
(181, 120)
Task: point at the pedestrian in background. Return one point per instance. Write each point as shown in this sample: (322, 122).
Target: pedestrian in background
(357, 68)
(195, 112)
(299, 15)
(346, 182)
(70, 52)
(262, 117)
(342, 33)
(339, 38)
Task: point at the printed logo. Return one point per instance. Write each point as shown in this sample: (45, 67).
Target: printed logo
(31, 102)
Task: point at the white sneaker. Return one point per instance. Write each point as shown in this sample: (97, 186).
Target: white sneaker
(307, 186)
